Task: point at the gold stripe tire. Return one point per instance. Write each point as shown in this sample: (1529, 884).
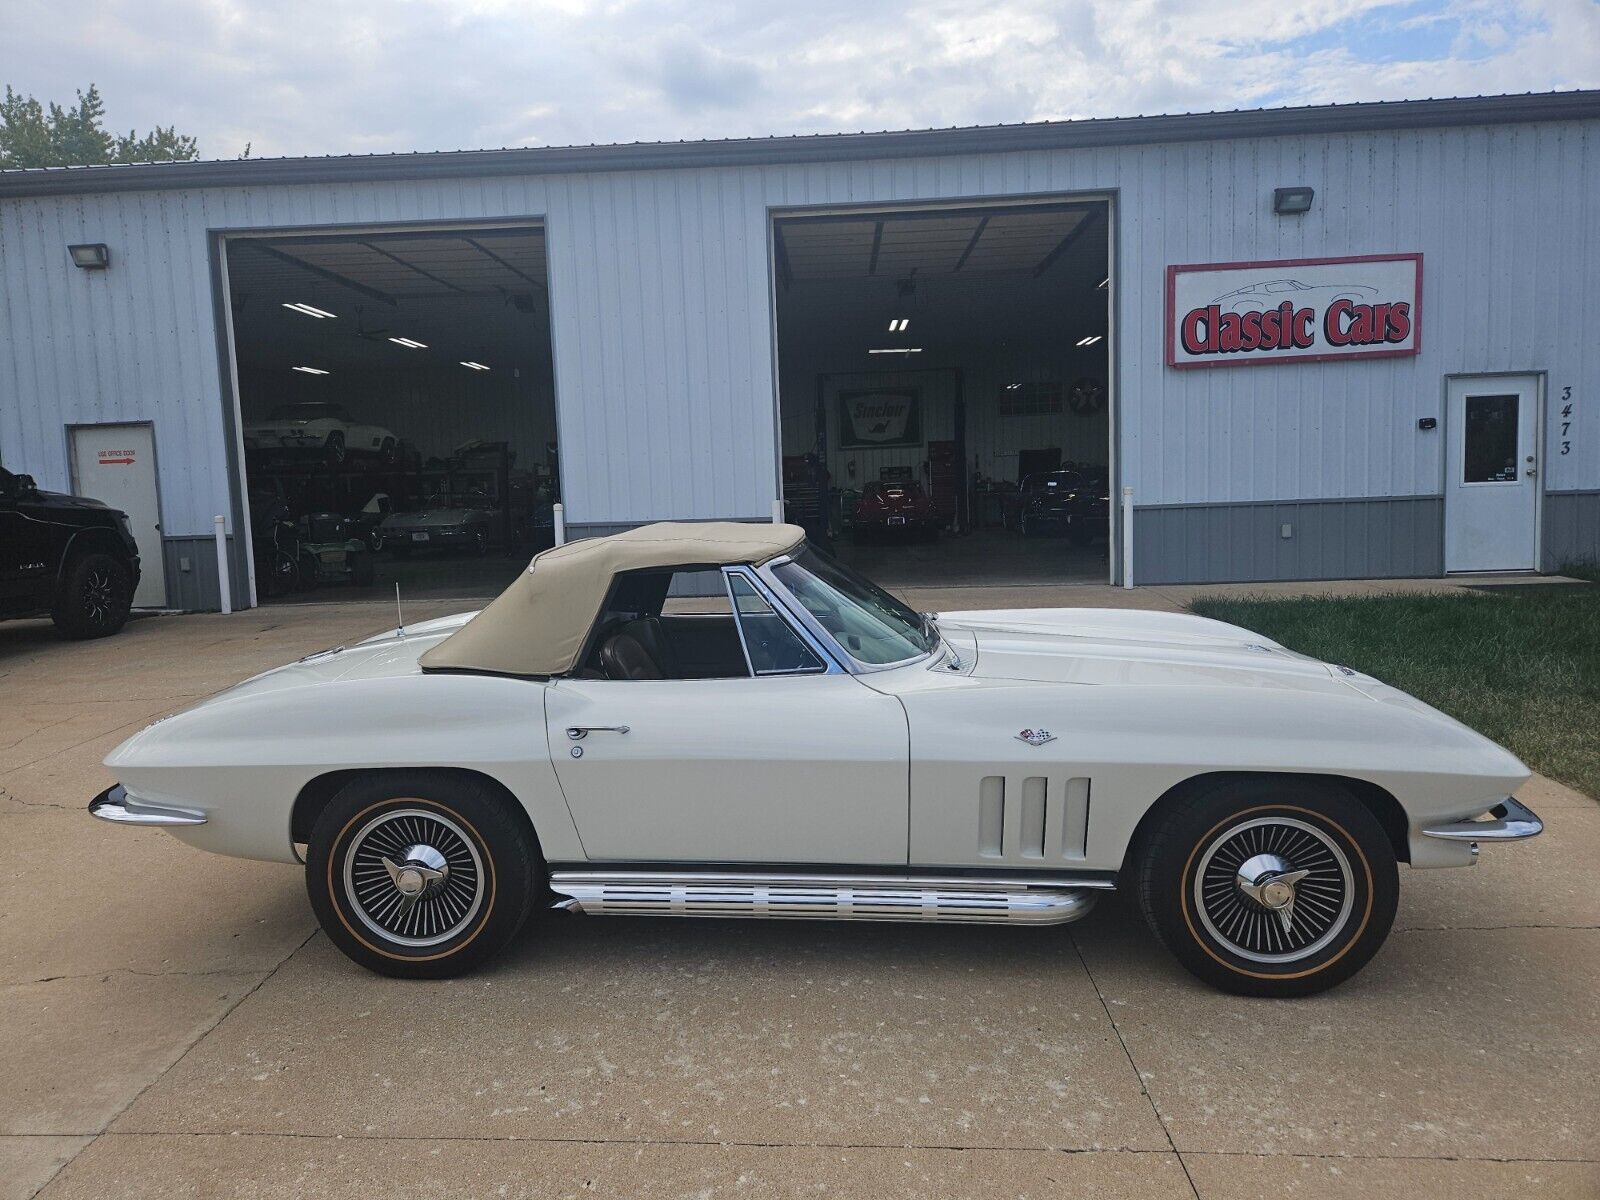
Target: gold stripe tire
(468, 872)
(1343, 903)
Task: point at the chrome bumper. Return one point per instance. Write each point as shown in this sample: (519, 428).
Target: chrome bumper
(1512, 822)
(114, 804)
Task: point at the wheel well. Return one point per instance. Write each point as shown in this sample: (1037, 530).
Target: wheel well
(1377, 800)
(316, 794)
(93, 539)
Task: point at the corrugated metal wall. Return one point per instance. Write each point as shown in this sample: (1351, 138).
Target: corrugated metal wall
(662, 326)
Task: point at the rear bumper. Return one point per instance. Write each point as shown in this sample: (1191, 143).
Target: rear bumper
(1510, 821)
(115, 805)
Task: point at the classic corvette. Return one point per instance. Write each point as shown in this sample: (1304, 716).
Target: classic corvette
(807, 746)
(316, 427)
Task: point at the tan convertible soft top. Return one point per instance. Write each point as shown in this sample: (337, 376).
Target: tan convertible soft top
(538, 625)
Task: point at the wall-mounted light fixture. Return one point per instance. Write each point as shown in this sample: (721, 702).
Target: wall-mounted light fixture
(1292, 201)
(92, 256)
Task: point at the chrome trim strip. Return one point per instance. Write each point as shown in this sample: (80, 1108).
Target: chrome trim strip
(828, 897)
(115, 805)
(833, 664)
(1513, 821)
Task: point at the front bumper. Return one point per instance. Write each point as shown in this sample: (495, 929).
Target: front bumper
(1510, 821)
(115, 805)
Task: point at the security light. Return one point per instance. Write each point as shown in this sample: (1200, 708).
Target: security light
(93, 256)
(409, 343)
(309, 370)
(1291, 201)
(476, 366)
(308, 310)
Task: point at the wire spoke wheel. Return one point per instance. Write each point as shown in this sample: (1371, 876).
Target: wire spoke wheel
(414, 877)
(1274, 889)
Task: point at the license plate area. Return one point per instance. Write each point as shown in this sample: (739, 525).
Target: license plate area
(419, 537)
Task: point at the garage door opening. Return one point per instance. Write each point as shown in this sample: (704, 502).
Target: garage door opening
(397, 410)
(943, 390)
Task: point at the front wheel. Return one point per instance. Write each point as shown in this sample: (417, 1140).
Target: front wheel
(421, 874)
(1273, 887)
(96, 594)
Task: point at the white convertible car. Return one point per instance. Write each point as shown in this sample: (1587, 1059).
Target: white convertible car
(807, 746)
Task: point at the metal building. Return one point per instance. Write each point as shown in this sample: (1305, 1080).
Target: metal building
(1327, 342)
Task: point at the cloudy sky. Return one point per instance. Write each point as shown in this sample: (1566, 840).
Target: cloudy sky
(329, 77)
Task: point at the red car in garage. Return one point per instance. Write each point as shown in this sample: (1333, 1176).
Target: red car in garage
(894, 509)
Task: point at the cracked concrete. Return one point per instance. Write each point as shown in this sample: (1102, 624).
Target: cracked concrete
(173, 1024)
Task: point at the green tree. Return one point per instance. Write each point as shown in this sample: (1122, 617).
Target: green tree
(34, 135)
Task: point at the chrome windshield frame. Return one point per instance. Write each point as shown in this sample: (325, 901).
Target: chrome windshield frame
(823, 648)
(800, 615)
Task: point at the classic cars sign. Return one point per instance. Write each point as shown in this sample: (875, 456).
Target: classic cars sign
(879, 417)
(1295, 310)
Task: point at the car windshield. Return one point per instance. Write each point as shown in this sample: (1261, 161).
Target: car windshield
(870, 624)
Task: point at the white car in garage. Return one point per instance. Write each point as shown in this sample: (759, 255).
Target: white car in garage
(805, 745)
(319, 428)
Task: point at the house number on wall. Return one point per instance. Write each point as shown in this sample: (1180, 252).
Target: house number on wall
(1566, 419)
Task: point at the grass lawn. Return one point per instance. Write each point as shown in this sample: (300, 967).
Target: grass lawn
(1522, 667)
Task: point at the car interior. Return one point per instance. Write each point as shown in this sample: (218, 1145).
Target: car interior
(636, 640)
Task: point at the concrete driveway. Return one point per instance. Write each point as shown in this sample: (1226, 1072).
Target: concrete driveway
(172, 1024)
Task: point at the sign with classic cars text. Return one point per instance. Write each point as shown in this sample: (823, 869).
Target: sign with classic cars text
(1294, 310)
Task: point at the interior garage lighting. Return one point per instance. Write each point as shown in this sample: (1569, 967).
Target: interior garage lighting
(899, 324)
(1104, 283)
(309, 370)
(1090, 340)
(898, 350)
(409, 343)
(476, 366)
(309, 310)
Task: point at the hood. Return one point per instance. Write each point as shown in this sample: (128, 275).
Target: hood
(63, 500)
(1119, 646)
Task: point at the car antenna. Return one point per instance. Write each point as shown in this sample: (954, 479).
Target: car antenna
(399, 617)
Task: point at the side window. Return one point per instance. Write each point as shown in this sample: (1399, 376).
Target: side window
(771, 645)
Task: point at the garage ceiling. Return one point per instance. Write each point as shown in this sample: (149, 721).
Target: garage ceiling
(979, 241)
(466, 294)
(976, 280)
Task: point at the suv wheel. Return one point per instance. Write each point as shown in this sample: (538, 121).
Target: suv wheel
(1270, 887)
(421, 874)
(95, 596)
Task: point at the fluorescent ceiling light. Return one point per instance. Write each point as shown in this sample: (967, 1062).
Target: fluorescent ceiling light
(899, 324)
(308, 310)
(1106, 282)
(476, 366)
(309, 370)
(1090, 340)
(409, 343)
(898, 350)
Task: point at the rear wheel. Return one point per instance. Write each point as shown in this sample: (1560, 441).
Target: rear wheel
(333, 449)
(95, 596)
(1272, 887)
(421, 875)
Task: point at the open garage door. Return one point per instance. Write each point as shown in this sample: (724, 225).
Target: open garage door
(943, 386)
(397, 409)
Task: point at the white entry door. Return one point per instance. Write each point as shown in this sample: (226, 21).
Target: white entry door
(1491, 494)
(116, 464)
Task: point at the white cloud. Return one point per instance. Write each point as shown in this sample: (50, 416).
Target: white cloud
(313, 77)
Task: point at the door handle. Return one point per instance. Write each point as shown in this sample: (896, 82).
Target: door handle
(578, 732)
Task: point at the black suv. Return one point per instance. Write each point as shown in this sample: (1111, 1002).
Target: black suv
(67, 557)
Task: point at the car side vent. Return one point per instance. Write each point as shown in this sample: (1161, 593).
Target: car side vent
(1045, 819)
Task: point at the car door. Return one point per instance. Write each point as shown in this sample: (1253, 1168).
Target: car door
(797, 764)
(30, 548)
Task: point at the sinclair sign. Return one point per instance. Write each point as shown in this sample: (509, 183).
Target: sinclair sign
(1295, 310)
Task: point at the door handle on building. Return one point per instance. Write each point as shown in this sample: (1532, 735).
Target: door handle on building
(578, 732)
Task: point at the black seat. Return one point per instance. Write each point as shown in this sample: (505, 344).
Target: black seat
(638, 650)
